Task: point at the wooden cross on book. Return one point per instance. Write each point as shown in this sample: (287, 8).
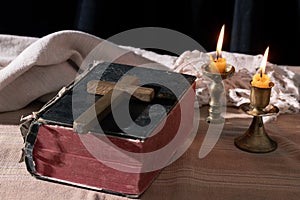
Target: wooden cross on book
(102, 107)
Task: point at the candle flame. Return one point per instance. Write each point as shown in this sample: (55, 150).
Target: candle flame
(264, 61)
(220, 41)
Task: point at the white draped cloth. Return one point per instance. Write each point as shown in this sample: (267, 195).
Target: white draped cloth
(37, 68)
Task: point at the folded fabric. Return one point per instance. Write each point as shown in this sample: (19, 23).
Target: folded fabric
(285, 93)
(42, 66)
(37, 68)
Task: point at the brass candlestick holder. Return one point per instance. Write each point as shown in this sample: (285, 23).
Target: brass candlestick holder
(256, 139)
(216, 92)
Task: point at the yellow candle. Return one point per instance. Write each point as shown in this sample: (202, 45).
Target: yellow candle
(262, 80)
(218, 65)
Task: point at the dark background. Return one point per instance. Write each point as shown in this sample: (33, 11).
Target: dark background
(251, 26)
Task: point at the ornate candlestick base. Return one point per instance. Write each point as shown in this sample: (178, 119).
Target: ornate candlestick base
(216, 92)
(256, 139)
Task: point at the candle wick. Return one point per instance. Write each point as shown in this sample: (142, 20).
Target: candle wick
(219, 55)
(261, 74)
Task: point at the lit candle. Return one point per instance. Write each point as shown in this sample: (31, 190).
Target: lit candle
(218, 64)
(262, 80)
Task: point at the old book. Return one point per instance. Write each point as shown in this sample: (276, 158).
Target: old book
(129, 145)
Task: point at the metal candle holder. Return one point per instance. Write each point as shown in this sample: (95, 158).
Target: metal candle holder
(256, 139)
(216, 92)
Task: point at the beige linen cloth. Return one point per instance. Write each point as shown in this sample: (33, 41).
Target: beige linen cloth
(33, 68)
(36, 68)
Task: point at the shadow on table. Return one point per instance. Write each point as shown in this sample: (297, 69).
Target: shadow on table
(13, 117)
